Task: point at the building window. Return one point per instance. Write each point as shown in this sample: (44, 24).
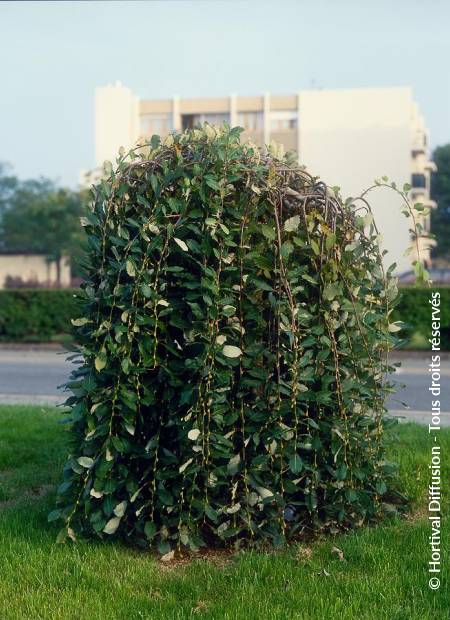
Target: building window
(252, 121)
(195, 120)
(283, 120)
(155, 124)
(418, 180)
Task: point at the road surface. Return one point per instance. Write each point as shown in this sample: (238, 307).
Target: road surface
(33, 377)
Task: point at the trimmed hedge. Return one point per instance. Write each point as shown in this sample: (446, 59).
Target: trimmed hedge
(30, 315)
(36, 315)
(414, 309)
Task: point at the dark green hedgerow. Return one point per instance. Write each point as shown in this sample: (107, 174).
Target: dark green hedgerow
(234, 340)
(29, 315)
(36, 315)
(414, 309)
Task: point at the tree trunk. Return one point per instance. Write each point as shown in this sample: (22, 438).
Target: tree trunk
(58, 272)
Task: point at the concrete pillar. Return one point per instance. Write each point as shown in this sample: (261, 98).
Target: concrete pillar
(176, 116)
(233, 111)
(266, 114)
(116, 121)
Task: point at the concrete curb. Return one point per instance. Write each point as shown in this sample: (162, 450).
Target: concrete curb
(32, 346)
(32, 399)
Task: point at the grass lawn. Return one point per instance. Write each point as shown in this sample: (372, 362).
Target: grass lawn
(383, 573)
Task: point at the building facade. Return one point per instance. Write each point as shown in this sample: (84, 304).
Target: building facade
(348, 137)
(33, 270)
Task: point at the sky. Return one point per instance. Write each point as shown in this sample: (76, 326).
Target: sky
(54, 54)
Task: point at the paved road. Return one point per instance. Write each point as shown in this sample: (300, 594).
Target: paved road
(33, 377)
(413, 380)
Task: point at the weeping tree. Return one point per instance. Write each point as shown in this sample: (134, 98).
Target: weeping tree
(234, 349)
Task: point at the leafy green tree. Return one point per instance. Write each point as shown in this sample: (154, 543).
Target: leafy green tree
(440, 192)
(39, 217)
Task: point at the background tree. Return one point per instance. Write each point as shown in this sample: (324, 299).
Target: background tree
(440, 192)
(37, 216)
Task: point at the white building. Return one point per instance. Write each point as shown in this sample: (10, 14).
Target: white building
(348, 137)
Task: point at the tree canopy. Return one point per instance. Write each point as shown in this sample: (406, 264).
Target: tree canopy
(440, 192)
(37, 216)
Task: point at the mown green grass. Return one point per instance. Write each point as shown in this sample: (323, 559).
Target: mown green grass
(383, 574)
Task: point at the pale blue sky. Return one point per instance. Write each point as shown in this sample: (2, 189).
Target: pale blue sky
(54, 54)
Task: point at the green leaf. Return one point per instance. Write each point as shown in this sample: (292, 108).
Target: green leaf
(150, 530)
(112, 525)
(163, 547)
(341, 472)
(268, 232)
(54, 515)
(211, 513)
(85, 461)
(330, 291)
(351, 495)
(146, 290)
(80, 322)
(62, 536)
(100, 362)
(154, 183)
(119, 510)
(264, 493)
(330, 241)
(262, 284)
(212, 183)
(131, 269)
(233, 464)
(309, 279)
(233, 509)
(286, 249)
(311, 500)
(315, 247)
(291, 224)
(229, 310)
(295, 464)
(419, 269)
(381, 487)
(182, 244)
(395, 327)
(231, 351)
(185, 465)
